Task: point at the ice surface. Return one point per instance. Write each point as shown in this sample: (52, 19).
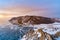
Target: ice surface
(49, 28)
(13, 32)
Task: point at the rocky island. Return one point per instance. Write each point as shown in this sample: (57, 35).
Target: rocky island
(38, 34)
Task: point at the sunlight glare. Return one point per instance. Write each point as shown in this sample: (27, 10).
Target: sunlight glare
(1, 16)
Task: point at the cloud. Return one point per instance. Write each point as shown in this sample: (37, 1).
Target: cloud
(21, 10)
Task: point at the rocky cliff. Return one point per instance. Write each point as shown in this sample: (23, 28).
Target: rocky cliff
(34, 35)
(25, 20)
(35, 20)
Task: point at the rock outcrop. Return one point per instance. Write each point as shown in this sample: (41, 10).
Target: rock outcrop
(31, 35)
(34, 20)
(57, 34)
(25, 20)
(44, 35)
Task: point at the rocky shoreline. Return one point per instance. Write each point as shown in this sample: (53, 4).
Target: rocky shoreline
(40, 35)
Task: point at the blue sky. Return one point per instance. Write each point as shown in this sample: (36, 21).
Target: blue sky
(52, 7)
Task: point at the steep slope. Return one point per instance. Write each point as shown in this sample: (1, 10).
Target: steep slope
(34, 20)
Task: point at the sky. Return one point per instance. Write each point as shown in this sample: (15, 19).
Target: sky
(47, 8)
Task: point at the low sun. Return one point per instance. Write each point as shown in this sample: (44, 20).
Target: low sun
(6, 16)
(1, 16)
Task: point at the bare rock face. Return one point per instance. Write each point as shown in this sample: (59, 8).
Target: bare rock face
(31, 35)
(44, 35)
(32, 20)
(48, 36)
(57, 34)
(16, 20)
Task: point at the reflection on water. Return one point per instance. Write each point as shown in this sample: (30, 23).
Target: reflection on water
(58, 38)
(11, 32)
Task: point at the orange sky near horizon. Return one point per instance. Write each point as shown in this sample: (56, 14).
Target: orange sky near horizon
(13, 8)
(19, 12)
(6, 14)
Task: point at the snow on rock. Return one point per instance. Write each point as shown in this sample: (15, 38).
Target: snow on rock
(48, 28)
